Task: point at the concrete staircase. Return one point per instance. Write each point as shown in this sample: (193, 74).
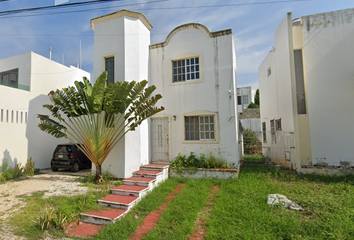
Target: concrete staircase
(122, 198)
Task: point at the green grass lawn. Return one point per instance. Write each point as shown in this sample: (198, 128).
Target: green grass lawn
(241, 210)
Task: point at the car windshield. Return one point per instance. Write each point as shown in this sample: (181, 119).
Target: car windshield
(63, 149)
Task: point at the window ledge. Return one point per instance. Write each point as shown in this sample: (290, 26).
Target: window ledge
(186, 82)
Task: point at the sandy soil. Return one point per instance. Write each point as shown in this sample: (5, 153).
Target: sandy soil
(58, 183)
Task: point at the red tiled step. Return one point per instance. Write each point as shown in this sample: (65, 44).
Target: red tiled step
(147, 173)
(84, 230)
(103, 216)
(129, 190)
(117, 201)
(138, 181)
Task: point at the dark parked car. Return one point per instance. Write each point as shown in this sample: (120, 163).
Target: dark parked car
(69, 156)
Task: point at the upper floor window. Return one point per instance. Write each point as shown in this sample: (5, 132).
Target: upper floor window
(185, 70)
(9, 78)
(109, 68)
(245, 100)
(269, 71)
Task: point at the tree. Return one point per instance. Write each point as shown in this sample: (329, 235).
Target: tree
(96, 117)
(256, 98)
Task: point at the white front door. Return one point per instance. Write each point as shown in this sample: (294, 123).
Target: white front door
(160, 139)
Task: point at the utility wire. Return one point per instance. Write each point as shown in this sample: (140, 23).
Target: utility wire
(159, 8)
(75, 4)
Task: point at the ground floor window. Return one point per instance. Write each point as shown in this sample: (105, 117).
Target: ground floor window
(199, 128)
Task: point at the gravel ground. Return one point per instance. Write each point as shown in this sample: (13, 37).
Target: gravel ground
(53, 183)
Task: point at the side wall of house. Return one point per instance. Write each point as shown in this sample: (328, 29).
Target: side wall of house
(276, 90)
(214, 93)
(328, 65)
(21, 138)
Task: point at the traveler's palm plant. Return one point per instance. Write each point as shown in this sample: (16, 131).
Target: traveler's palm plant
(97, 117)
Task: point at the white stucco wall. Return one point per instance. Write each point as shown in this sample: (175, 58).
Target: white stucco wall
(127, 39)
(328, 63)
(20, 141)
(276, 95)
(216, 93)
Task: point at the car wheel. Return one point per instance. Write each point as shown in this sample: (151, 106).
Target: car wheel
(54, 169)
(75, 167)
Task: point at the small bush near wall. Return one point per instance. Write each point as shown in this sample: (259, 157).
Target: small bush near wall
(182, 161)
(8, 173)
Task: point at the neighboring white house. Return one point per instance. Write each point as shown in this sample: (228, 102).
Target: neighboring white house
(25, 81)
(245, 95)
(194, 70)
(307, 90)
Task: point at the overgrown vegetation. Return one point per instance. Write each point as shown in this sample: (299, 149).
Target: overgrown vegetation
(256, 156)
(8, 173)
(182, 161)
(55, 212)
(240, 211)
(251, 143)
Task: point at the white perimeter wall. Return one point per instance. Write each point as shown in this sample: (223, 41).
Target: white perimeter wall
(328, 63)
(218, 69)
(20, 141)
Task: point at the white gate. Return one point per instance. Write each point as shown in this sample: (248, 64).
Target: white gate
(160, 139)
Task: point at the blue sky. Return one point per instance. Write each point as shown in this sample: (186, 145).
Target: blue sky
(253, 26)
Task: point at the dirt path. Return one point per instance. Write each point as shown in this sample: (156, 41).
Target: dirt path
(200, 228)
(151, 220)
(58, 183)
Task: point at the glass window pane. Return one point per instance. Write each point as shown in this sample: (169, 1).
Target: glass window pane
(184, 77)
(211, 127)
(201, 127)
(175, 71)
(197, 75)
(175, 78)
(192, 136)
(206, 119)
(197, 68)
(212, 136)
(179, 78)
(192, 60)
(207, 127)
(192, 127)
(186, 127)
(188, 76)
(201, 119)
(201, 135)
(192, 75)
(186, 119)
(174, 64)
(206, 135)
(211, 119)
(196, 60)
(187, 136)
(179, 70)
(187, 61)
(188, 69)
(192, 68)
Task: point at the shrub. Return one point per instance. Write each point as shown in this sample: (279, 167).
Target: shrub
(50, 218)
(253, 105)
(29, 168)
(6, 173)
(251, 143)
(182, 161)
